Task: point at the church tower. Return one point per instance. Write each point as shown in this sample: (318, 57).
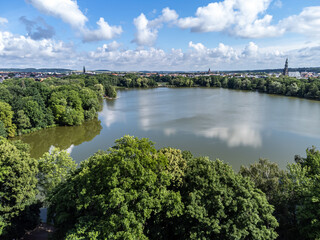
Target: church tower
(84, 70)
(286, 70)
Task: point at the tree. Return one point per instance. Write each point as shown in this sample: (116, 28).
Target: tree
(22, 120)
(3, 132)
(267, 177)
(308, 210)
(113, 193)
(54, 167)
(67, 107)
(312, 161)
(222, 205)
(6, 115)
(110, 91)
(17, 185)
(176, 166)
(274, 182)
(305, 182)
(90, 103)
(35, 114)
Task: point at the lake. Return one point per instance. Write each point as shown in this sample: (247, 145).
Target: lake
(238, 127)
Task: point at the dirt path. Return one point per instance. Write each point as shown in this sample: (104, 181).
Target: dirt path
(42, 232)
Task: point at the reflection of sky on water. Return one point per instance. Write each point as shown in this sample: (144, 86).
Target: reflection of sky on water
(239, 126)
(236, 126)
(234, 137)
(68, 150)
(110, 114)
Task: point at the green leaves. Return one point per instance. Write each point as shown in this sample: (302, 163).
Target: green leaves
(17, 183)
(223, 205)
(6, 115)
(134, 191)
(54, 167)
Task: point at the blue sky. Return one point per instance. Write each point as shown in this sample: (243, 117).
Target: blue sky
(159, 35)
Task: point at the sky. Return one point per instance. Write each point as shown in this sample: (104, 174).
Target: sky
(176, 35)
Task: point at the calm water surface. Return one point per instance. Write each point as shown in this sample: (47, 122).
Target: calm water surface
(238, 127)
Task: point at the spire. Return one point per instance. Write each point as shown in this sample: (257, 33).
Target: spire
(209, 71)
(286, 70)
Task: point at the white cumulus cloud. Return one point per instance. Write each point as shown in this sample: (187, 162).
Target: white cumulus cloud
(249, 19)
(104, 32)
(236, 17)
(307, 22)
(69, 12)
(17, 50)
(147, 31)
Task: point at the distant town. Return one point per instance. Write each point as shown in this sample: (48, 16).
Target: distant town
(41, 74)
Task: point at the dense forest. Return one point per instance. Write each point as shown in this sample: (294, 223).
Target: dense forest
(27, 105)
(134, 191)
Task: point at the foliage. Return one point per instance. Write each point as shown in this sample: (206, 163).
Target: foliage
(17, 185)
(110, 91)
(305, 178)
(117, 191)
(267, 177)
(308, 210)
(275, 183)
(54, 167)
(222, 205)
(6, 115)
(134, 191)
(311, 162)
(3, 132)
(176, 166)
(283, 85)
(27, 105)
(295, 194)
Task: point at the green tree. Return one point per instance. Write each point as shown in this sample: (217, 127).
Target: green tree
(110, 91)
(312, 161)
(67, 107)
(54, 167)
(176, 166)
(17, 185)
(22, 120)
(35, 114)
(6, 115)
(3, 132)
(308, 210)
(305, 184)
(267, 177)
(274, 182)
(113, 193)
(222, 205)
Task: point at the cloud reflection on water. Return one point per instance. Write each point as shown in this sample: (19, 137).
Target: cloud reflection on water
(239, 126)
(235, 136)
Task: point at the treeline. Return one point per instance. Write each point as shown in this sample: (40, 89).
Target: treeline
(129, 80)
(288, 86)
(27, 105)
(133, 191)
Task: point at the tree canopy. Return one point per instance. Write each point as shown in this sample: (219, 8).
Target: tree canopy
(133, 191)
(17, 183)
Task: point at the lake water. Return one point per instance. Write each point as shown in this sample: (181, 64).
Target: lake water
(238, 127)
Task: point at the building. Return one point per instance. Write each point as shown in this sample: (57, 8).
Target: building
(295, 74)
(286, 69)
